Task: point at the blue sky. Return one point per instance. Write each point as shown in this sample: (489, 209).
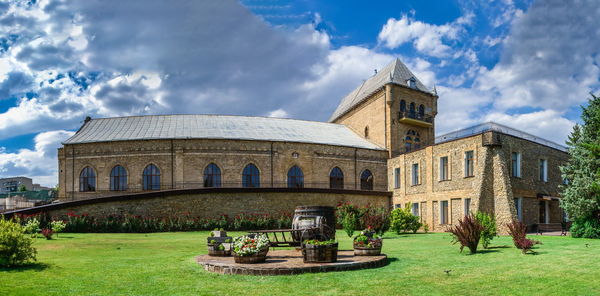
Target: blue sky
(526, 64)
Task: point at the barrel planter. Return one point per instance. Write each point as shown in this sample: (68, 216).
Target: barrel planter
(251, 259)
(328, 213)
(213, 250)
(360, 251)
(320, 253)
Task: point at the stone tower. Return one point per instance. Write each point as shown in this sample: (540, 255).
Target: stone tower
(392, 109)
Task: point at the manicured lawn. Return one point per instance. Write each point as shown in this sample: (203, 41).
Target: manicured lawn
(163, 264)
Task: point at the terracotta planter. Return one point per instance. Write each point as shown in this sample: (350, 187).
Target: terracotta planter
(361, 251)
(213, 250)
(320, 253)
(250, 259)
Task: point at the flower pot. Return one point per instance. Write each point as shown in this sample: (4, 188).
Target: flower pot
(319, 253)
(250, 259)
(213, 250)
(362, 251)
(219, 233)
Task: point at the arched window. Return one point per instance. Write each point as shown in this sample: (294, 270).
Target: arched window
(402, 106)
(421, 111)
(151, 178)
(411, 111)
(366, 180)
(118, 179)
(212, 176)
(251, 176)
(336, 178)
(366, 132)
(412, 141)
(408, 144)
(295, 177)
(87, 180)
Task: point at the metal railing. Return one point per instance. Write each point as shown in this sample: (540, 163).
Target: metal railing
(199, 185)
(415, 115)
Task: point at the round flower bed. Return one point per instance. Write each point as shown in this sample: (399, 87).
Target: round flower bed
(248, 249)
(315, 251)
(367, 243)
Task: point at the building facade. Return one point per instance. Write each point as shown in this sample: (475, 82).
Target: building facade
(380, 138)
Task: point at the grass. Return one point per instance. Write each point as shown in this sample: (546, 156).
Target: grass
(163, 264)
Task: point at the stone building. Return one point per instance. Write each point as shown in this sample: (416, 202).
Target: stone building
(380, 139)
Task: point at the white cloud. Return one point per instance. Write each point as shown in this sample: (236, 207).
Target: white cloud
(280, 113)
(547, 124)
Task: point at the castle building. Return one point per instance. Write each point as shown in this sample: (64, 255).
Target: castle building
(380, 140)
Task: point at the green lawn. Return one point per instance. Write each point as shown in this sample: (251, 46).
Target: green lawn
(163, 264)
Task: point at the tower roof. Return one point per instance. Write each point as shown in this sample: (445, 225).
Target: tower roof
(395, 72)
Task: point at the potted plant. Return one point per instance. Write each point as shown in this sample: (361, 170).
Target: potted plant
(218, 232)
(218, 249)
(250, 249)
(367, 243)
(317, 251)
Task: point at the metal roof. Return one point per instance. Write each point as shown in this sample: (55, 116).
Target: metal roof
(395, 72)
(496, 127)
(217, 127)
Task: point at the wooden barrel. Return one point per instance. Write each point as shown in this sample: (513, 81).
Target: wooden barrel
(327, 212)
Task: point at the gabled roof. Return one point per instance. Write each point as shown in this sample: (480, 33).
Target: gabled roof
(217, 127)
(395, 72)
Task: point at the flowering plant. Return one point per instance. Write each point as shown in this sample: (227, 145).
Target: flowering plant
(368, 239)
(247, 246)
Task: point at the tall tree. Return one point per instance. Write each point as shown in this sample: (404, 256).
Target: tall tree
(581, 193)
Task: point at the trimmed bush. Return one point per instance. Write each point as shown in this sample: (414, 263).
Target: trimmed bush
(518, 232)
(489, 228)
(402, 220)
(467, 232)
(15, 247)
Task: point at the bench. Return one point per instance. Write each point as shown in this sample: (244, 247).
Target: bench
(554, 227)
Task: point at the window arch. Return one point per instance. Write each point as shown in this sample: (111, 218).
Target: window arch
(421, 111)
(295, 177)
(366, 180)
(411, 110)
(402, 106)
(118, 179)
(151, 178)
(251, 176)
(412, 141)
(212, 176)
(336, 178)
(87, 180)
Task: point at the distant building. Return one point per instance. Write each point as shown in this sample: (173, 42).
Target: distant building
(13, 184)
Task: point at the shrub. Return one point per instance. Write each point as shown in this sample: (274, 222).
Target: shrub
(467, 232)
(402, 220)
(15, 247)
(518, 232)
(489, 228)
(32, 226)
(377, 219)
(57, 226)
(47, 233)
(589, 228)
(350, 223)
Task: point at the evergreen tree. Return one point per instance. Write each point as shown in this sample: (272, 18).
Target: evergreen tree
(581, 193)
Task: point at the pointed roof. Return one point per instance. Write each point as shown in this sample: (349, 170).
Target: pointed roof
(396, 72)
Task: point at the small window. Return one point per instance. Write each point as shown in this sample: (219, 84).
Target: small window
(469, 171)
(444, 168)
(412, 82)
(397, 178)
(87, 180)
(415, 209)
(415, 174)
(516, 164)
(421, 111)
(295, 155)
(336, 178)
(444, 212)
(467, 206)
(412, 112)
(402, 106)
(366, 180)
(151, 178)
(518, 207)
(295, 177)
(366, 132)
(212, 176)
(543, 170)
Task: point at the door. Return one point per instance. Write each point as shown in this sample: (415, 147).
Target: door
(542, 209)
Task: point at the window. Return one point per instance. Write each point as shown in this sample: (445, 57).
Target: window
(516, 164)
(421, 111)
(402, 106)
(415, 174)
(543, 170)
(336, 178)
(412, 113)
(444, 212)
(412, 82)
(87, 180)
(397, 178)
(467, 206)
(151, 178)
(366, 180)
(518, 208)
(444, 168)
(118, 179)
(469, 172)
(415, 209)
(412, 141)
(397, 206)
(250, 176)
(295, 177)
(366, 132)
(212, 176)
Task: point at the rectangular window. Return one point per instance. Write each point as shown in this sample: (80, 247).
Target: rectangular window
(467, 206)
(397, 206)
(518, 207)
(543, 170)
(444, 168)
(415, 174)
(469, 172)
(444, 212)
(516, 164)
(415, 209)
(397, 178)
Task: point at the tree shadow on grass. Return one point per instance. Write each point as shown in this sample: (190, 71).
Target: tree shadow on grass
(486, 251)
(37, 266)
(499, 247)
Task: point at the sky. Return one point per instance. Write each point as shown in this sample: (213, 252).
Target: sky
(526, 64)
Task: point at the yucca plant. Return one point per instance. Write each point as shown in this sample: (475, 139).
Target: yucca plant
(467, 232)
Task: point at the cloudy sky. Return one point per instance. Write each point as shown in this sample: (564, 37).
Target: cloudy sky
(527, 64)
